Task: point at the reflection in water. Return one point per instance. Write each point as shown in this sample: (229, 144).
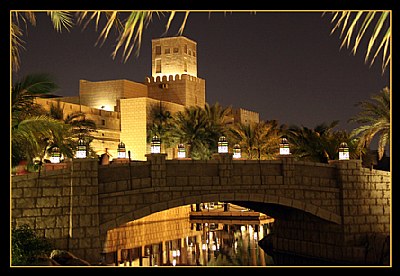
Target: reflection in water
(171, 238)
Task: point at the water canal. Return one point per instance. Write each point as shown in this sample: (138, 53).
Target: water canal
(176, 237)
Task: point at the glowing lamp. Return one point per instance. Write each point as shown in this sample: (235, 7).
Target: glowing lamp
(284, 148)
(155, 145)
(237, 151)
(121, 150)
(181, 151)
(344, 151)
(222, 145)
(81, 149)
(55, 155)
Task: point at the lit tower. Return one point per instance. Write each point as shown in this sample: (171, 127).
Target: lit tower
(173, 55)
(174, 72)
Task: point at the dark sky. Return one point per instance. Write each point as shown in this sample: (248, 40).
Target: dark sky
(284, 65)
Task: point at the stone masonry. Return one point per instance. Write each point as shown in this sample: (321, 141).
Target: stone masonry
(320, 210)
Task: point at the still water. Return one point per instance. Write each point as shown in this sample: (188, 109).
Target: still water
(178, 238)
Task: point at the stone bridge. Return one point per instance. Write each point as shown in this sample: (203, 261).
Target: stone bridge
(325, 211)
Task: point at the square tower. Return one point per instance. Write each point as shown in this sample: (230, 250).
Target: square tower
(172, 56)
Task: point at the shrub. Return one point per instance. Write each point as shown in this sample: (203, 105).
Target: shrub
(27, 247)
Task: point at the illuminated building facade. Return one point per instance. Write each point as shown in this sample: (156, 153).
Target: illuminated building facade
(122, 108)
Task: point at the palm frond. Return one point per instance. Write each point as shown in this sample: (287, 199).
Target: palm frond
(348, 21)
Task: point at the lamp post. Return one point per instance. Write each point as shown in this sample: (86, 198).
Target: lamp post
(81, 149)
(55, 155)
(121, 150)
(222, 145)
(237, 151)
(344, 151)
(155, 145)
(284, 148)
(181, 151)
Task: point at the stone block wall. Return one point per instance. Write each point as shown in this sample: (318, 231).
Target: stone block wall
(61, 205)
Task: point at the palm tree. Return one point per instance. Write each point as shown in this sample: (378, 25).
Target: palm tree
(30, 137)
(376, 23)
(159, 125)
(60, 20)
(375, 119)
(190, 127)
(258, 140)
(81, 128)
(319, 144)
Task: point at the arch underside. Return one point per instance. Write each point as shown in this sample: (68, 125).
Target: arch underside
(274, 206)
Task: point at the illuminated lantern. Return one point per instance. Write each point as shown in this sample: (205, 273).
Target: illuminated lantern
(81, 149)
(155, 145)
(222, 145)
(55, 155)
(121, 150)
(237, 151)
(344, 151)
(181, 151)
(284, 148)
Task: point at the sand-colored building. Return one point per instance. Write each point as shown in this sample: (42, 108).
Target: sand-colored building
(122, 108)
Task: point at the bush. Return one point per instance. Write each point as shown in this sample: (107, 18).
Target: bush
(27, 247)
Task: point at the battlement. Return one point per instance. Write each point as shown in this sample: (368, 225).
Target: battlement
(172, 78)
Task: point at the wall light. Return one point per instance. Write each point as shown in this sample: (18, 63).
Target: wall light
(222, 145)
(344, 151)
(121, 150)
(284, 148)
(81, 149)
(237, 151)
(181, 151)
(55, 155)
(155, 145)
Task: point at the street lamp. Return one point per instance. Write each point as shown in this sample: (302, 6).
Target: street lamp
(55, 155)
(237, 151)
(155, 145)
(222, 145)
(121, 150)
(344, 151)
(81, 149)
(181, 151)
(284, 148)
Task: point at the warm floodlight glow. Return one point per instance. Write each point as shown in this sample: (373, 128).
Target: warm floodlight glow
(155, 145)
(55, 155)
(121, 150)
(237, 151)
(284, 148)
(81, 149)
(344, 151)
(181, 151)
(222, 145)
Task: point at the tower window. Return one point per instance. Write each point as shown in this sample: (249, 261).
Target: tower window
(167, 50)
(176, 49)
(158, 65)
(186, 49)
(158, 50)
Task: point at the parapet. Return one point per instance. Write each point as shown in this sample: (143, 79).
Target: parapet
(172, 78)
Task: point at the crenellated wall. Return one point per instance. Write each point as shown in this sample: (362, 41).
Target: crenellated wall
(182, 89)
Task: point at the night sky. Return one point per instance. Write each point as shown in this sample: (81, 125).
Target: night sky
(284, 65)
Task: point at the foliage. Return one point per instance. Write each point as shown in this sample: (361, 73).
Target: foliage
(27, 246)
(350, 22)
(319, 144)
(257, 140)
(374, 118)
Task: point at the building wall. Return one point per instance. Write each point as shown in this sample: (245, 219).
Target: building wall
(181, 89)
(245, 116)
(106, 93)
(107, 123)
(134, 124)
